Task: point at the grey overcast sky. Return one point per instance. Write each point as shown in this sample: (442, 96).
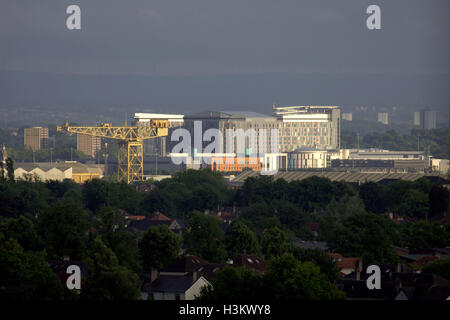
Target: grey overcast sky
(226, 37)
(195, 55)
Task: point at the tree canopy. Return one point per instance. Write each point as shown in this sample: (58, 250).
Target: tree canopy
(204, 237)
(158, 247)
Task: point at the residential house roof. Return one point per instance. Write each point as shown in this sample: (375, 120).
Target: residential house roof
(209, 271)
(405, 293)
(357, 289)
(170, 283)
(136, 218)
(158, 216)
(405, 285)
(344, 263)
(185, 264)
(401, 251)
(250, 261)
(421, 282)
(426, 260)
(433, 251)
(416, 257)
(437, 293)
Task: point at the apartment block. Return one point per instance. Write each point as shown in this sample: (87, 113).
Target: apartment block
(36, 138)
(383, 117)
(89, 145)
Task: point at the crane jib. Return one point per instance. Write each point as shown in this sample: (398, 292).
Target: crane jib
(130, 154)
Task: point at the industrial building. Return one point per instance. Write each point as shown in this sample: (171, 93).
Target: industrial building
(347, 176)
(440, 165)
(344, 159)
(234, 164)
(59, 171)
(310, 158)
(89, 145)
(382, 159)
(36, 138)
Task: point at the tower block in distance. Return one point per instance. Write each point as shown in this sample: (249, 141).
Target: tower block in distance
(130, 157)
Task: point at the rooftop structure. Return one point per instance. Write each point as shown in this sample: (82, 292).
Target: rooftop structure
(351, 177)
(308, 126)
(76, 171)
(296, 110)
(158, 146)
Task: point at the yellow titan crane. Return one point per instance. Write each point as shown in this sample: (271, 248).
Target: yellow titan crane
(130, 160)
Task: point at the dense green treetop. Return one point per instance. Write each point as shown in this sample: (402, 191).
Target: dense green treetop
(204, 237)
(439, 267)
(158, 247)
(25, 275)
(239, 239)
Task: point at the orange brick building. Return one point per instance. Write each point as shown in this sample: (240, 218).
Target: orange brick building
(234, 164)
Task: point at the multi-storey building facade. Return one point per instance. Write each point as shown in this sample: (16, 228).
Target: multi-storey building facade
(289, 129)
(416, 119)
(309, 127)
(36, 138)
(159, 146)
(383, 117)
(428, 119)
(89, 145)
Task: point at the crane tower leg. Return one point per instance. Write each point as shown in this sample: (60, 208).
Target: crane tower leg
(135, 161)
(130, 161)
(122, 162)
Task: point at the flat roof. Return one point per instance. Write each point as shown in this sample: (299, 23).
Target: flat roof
(140, 115)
